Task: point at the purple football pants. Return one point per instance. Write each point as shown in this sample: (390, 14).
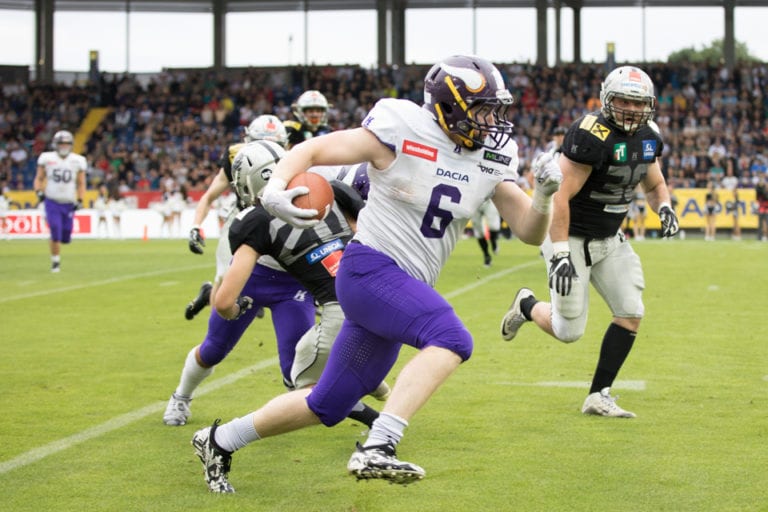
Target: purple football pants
(59, 217)
(384, 308)
(293, 313)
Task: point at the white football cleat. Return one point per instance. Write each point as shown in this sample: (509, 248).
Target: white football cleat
(216, 461)
(380, 462)
(514, 318)
(603, 404)
(177, 412)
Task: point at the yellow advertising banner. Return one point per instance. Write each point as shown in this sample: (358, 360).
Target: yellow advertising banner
(690, 209)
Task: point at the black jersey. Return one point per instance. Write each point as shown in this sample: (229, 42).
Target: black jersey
(619, 162)
(225, 162)
(227, 157)
(298, 132)
(310, 255)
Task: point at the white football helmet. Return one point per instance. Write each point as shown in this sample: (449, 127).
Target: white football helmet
(313, 100)
(266, 127)
(253, 166)
(630, 83)
(63, 142)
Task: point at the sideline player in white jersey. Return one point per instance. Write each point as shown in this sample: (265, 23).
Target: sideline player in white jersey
(430, 168)
(60, 183)
(487, 216)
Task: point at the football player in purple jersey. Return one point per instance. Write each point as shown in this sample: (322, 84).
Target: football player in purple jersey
(430, 168)
(60, 184)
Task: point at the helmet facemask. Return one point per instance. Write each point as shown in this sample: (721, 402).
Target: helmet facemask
(629, 119)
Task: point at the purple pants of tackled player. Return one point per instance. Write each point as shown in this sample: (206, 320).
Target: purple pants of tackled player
(293, 313)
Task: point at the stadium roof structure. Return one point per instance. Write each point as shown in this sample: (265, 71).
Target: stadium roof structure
(44, 10)
(342, 5)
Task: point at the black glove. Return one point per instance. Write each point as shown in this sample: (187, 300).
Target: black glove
(78, 204)
(244, 303)
(669, 223)
(196, 241)
(561, 273)
(40, 195)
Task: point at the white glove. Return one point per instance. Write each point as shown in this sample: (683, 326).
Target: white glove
(547, 173)
(279, 202)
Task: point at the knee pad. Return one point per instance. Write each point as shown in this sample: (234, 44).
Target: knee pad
(568, 330)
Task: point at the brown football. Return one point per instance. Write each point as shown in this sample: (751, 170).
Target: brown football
(320, 196)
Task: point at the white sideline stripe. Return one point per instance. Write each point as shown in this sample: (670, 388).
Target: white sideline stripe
(112, 280)
(635, 385)
(125, 419)
(488, 279)
(121, 421)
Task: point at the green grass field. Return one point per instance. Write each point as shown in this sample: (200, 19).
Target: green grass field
(91, 355)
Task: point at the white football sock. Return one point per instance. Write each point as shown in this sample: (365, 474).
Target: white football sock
(387, 429)
(236, 434)
(192, 375)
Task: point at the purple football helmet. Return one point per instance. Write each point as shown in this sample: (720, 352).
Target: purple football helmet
(467, 97)
(356, 176)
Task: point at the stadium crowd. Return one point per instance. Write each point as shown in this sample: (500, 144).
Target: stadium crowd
(172, 127)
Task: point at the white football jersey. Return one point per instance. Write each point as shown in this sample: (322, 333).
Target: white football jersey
(418, 206)
(61, 185)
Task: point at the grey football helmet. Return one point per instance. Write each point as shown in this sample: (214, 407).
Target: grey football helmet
(252, 167)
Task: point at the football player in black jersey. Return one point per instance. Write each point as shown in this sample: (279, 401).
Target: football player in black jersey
(605, 155)
(264, 127)
(292, 307)
(273, 283)
(311, 113)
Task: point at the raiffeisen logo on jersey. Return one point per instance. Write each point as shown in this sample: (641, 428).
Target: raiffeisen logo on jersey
(649, 149)
(324, 250)
(420, 150)
(454, 175)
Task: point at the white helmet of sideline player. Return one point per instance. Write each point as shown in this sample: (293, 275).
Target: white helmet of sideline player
(266, 127)
(253, 166)
(314, 101)
(63, 142)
